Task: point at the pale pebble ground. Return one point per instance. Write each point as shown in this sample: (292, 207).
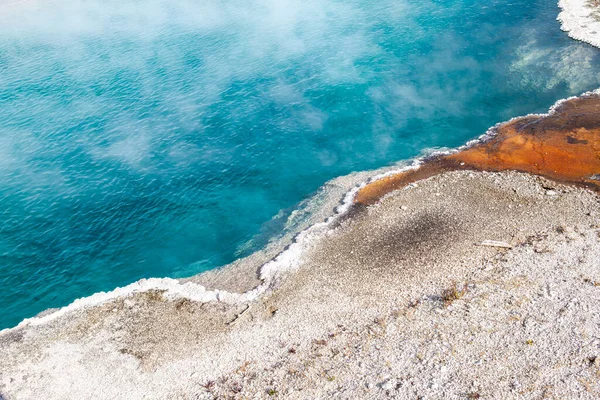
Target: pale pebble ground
(397, 301)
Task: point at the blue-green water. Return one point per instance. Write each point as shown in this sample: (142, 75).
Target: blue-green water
(150, 138)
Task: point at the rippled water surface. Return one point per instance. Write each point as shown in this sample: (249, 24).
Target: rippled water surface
(160, 138)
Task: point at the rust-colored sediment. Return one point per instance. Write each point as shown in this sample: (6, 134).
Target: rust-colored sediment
(564, 146)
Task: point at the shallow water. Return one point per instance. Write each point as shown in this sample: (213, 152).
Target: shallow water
(155, 138)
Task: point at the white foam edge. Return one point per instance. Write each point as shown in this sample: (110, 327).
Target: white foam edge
(576, 19)
(287, 260)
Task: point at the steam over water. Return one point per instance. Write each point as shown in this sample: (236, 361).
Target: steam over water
(150, 138)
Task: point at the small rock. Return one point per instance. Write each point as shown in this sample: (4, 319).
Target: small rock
(388, 384)
(495, 243)
(570, 233)
(128, 303)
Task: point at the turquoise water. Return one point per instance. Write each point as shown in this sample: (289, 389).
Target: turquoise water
(153, 138)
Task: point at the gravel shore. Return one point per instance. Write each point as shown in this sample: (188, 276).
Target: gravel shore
(464, 285)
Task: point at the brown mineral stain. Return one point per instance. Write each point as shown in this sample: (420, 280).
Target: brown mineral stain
(564, 146)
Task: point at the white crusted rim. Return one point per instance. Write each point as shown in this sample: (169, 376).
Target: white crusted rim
(578, 20)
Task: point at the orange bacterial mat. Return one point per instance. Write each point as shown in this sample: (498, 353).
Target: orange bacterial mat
(563, 145)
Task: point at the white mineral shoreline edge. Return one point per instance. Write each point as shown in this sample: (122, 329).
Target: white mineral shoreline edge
(579, 19)
(287, 260)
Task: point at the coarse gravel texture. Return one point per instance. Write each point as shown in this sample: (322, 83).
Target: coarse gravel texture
(399, 300)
